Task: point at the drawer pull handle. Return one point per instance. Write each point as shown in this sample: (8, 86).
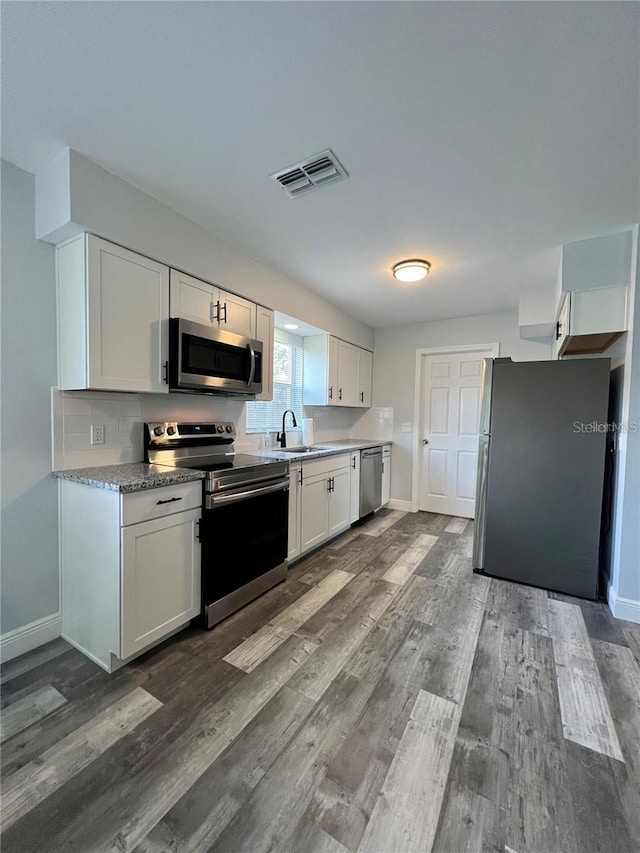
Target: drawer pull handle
(168, 501)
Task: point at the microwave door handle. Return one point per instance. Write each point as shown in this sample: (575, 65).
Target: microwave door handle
(252, 371)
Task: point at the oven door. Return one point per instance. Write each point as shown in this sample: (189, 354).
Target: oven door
(205, 359)
(244, 546)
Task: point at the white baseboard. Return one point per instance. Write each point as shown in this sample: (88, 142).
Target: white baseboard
(403, 506)
(623, 608)
(29, 637)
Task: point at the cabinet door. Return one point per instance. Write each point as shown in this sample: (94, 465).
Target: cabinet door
(348, 363)
(295, 473)
(354, 499)
(339, 503)
(386, 477)
(237, 314)
(333, 397)
(264, 333)
(192, 299)
(128, 313)
(562, 325)
(314, 523)
(160, 565)
(365, 376)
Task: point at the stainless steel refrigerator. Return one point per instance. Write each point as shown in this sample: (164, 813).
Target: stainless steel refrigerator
(541, 464)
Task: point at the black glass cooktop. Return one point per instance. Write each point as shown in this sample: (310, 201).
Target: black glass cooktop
(222, 463)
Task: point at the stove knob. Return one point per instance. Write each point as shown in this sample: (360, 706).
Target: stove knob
(220, 428)
(171, 430)
(158, 430)
(229, 428)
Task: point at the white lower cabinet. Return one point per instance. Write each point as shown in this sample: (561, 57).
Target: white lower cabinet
(354, 500)
(339, 503)
(315, 510)
(325, 500)
(130, 567)
(160, 579)
(295, 493)
(386, 475)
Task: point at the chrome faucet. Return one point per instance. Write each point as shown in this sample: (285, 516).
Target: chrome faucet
(282, 436)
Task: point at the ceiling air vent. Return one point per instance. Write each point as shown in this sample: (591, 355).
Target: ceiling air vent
(316, 171)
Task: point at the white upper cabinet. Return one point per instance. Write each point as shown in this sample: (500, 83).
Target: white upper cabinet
(192, 299)
(236, 314)
(332, 396)
(365, 379)
(336, 373)
(113, 311)
(201, 302)
(594, 283)
(264, 333)
(589, 321)
(348, 364)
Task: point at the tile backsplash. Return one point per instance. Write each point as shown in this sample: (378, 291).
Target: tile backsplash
(122, 416)
(375, 423)
(73, 413)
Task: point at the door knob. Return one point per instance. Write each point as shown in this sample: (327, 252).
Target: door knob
(425, 441)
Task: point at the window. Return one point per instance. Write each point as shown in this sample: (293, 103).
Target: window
(288, 356)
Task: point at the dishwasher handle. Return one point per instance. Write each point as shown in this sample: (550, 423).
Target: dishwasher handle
(371, 451)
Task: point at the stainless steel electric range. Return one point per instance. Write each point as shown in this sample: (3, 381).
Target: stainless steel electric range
(244, 527)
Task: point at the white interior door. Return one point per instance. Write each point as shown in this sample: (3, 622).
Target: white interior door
(450, 405)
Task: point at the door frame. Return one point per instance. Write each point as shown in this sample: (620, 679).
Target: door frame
(416, 471)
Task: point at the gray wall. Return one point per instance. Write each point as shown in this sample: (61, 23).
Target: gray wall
(394, 362)
(75, 194)
(29, 528)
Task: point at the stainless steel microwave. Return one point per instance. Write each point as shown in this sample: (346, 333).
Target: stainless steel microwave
(211, 361)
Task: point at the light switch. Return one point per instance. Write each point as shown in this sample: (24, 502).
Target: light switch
(406, 427)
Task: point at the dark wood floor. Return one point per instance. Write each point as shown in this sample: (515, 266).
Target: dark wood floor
(383, 699)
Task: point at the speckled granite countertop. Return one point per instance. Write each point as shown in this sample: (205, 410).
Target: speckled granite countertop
(329, 448)
(131, 477)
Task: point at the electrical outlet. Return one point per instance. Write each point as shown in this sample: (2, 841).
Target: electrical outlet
(406, 427)
(97, 433)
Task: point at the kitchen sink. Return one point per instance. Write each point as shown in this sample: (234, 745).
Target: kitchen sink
(303, 448)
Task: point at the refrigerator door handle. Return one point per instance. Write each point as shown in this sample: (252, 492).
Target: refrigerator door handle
(485, 399)
(479, 530)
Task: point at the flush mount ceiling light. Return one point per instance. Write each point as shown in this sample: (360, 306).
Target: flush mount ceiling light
(290, 326)
(412, 270)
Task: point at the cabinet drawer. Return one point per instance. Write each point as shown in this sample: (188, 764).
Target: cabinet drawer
(155, 503)
(325, 464)
(386, 450)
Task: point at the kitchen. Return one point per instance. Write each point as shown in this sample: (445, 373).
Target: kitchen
(72, 194)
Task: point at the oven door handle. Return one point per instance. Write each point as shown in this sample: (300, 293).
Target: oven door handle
(221, 500)
(252, 371)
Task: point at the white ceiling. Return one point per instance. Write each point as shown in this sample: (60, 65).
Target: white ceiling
(480, 136)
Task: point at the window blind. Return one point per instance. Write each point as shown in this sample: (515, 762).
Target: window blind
(288, 358)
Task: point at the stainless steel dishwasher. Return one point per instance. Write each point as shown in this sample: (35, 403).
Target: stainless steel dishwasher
(370, 480)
